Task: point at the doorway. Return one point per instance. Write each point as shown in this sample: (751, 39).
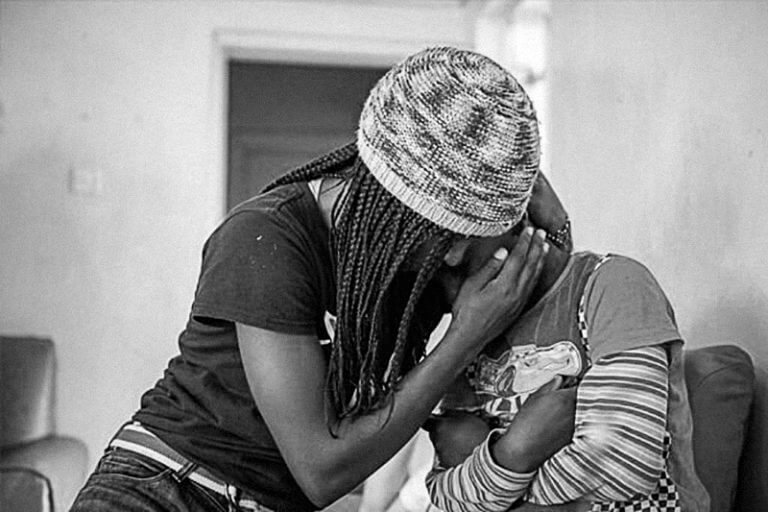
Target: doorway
(280, 115)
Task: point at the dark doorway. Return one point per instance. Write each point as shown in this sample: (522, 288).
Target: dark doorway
(282, 115)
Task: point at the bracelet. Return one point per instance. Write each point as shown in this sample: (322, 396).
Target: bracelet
(561, 238)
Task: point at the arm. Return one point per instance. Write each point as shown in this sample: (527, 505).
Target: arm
(286, 375)
(617, 450)
(625, 309)
(455, 435)
(499, 470)
(478, 484)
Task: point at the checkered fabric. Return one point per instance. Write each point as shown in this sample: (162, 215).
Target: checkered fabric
(582, 311)
(665, 497)
(453, 136)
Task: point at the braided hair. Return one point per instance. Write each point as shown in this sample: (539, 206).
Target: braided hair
(384, 314)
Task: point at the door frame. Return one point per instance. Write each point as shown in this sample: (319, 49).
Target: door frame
(336, 49)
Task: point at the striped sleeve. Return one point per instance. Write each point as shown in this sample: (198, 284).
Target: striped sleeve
(618, 444)
(478, 484)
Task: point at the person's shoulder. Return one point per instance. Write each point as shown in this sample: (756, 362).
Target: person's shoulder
(620, 284)
(271, 201)
(266, 211)
(626, 308)
(617, 269)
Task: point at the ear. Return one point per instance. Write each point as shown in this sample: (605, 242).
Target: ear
(455, 254)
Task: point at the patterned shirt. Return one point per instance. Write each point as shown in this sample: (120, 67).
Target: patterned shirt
(618, 453)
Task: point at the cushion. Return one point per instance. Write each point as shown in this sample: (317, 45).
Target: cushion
(26, 378)
(720, 381)
(752, 494)
(24, 489)
(63, 461)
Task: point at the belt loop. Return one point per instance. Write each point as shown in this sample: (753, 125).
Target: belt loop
(233, 496)
(184, 471)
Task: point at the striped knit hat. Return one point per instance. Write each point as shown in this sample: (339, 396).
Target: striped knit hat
(454, 136)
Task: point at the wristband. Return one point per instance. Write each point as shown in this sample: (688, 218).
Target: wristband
(561, 238)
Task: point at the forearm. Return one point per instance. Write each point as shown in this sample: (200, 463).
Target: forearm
(479, 484)
(335, 463)
(327, 455)
(617, 449)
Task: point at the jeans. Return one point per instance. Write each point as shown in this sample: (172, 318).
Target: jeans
(125, 481)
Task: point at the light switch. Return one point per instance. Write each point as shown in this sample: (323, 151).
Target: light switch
(85, 181)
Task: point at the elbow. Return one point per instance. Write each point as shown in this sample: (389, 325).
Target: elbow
(318, 491)
(629, 470)
(321, 485)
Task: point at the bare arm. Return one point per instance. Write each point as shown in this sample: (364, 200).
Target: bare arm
(286, 374)
(499, 471)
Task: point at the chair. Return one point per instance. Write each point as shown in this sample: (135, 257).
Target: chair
(729, 405)
(39, 470)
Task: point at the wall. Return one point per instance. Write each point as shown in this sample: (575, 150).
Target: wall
(127, 98)
(659, 144)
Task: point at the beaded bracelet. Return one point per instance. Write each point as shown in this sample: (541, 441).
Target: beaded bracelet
(561, 238)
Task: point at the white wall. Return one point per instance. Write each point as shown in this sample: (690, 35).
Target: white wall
(132, 91)
(659, 144)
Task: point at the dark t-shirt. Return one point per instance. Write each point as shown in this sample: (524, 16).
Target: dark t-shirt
(267, 265)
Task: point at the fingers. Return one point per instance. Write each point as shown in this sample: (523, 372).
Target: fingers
(517, 258)
(525, 262)
(491, 268)
(534, 263)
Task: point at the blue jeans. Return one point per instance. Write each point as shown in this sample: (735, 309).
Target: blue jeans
(130, 482)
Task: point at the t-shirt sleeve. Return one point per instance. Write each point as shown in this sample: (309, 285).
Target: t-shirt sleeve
(255, 272)
(626, 308)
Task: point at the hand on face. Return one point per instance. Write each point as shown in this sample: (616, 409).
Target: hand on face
(492, 280)
(468, 256)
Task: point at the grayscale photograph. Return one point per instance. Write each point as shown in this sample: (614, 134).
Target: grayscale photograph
(384, 255)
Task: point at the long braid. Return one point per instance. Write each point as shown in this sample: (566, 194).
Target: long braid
(373, 236)
(418, 347)
(373, 233)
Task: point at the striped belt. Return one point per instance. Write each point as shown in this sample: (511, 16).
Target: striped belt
(135, 438)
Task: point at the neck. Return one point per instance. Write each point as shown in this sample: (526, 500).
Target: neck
(330, 189)
(554, 265)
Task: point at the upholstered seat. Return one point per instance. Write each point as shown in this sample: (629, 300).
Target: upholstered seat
(728, 402)
(39, 470)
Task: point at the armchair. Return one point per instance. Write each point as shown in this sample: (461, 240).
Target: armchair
(39, 470)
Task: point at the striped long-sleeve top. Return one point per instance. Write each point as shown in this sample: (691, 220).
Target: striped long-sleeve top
(617, 451)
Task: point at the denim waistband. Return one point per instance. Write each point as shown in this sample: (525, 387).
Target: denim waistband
(135, 438)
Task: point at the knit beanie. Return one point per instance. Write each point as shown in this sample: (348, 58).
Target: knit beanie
(453, 135)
